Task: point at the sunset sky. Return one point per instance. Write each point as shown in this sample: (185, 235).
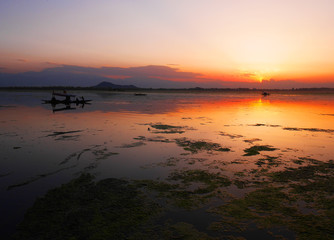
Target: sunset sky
(229, 40)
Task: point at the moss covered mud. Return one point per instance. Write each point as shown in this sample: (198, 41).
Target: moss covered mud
(168, 129)
(255, 150)
(294, 203)
(298, 201)
(195, 146)
(108, 209)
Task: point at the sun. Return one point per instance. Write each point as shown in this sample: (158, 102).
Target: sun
(259, 75)
(260, 78)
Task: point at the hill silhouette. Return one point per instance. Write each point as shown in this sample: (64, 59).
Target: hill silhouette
(108, 85)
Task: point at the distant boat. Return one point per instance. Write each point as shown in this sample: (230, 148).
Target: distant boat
(265, 94)
(140, 94)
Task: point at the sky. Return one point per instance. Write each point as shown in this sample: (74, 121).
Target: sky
(225, 40)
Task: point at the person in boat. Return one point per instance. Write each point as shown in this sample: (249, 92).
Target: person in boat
(83, 99)
(68, 98)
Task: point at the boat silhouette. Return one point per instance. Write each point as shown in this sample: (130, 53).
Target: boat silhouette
(69, 99)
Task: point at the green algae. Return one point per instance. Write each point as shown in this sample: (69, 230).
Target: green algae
(102, 154)
(305, 173)
(239, 174)
(309, 160)
(164, 126)
(132, 145)
(309, 129)
(187, 199)
(257, 125)
(83, 209)
(264, 125)
(155, 185)
(252, 140)
(98, 151)
(170, 162)
(172, 194)
(268, 161)
(266, 208)
(293, 128)
(232, 136)
(274, 204)
(198, 146)
(64, 135)
(109, 209)
(187, 189)
(241, 184)
(311, 183)
(174, 161)
(255, 150)
(298, 161)
(169, 129)
(68, 138)
(208, 181)
(140, 138)
(55, 134)
(268, 199)
(178, 230)
(185, 231)
(153, 139)
(199, 175)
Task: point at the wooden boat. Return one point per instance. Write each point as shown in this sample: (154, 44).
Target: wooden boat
(62, 94)
(69, 99)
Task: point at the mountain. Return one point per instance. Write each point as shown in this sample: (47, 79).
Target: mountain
(105, 84)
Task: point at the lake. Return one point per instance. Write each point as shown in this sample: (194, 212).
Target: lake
(209, 164)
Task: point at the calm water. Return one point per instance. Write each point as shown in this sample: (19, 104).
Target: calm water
(121, 135)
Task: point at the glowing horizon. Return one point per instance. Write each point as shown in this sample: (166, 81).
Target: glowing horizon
(221, 40)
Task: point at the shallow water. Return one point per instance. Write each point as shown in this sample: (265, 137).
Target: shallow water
(156, 136)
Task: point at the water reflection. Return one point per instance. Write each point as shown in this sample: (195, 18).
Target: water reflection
(201, 153)
(65, 107)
